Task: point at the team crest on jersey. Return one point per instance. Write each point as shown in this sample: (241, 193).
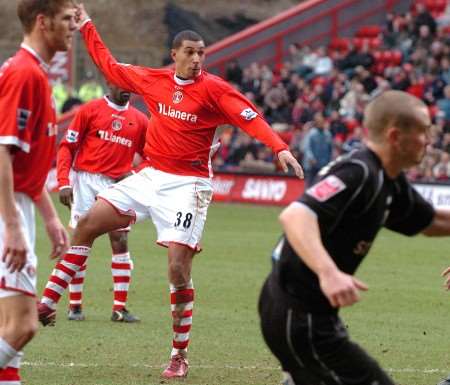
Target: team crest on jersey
(326, 188)
(72, 136)
(177, 97)
(116, 125)
(31, 270)
(249, 114)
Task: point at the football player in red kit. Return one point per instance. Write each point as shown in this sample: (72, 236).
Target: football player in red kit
(175, 188)
(27, 149)
(99, 146)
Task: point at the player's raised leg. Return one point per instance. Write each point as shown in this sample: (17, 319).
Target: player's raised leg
(100, 219)
(121, 267)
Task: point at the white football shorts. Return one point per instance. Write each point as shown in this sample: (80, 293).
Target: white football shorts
(24, 281)
(86, 186)
(177, 204)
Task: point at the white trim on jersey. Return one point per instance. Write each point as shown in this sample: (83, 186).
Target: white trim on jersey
(15, 141)
(183, 82)
(116, 106)
(45, 66)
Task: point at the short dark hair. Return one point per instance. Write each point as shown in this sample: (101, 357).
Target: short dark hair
(187, 34)
(391, 108)
(27, 10)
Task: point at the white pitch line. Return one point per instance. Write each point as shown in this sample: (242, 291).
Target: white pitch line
(81, 365)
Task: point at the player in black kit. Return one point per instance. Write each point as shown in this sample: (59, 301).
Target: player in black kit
(329, 231)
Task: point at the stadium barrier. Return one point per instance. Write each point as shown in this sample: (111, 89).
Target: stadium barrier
(259, 189)
(437, 194)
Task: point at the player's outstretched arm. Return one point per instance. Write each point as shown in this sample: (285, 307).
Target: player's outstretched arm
(446, 275)
(287, 159)
(440, 226)
(55, 230)
(302, 231)
(127, 77)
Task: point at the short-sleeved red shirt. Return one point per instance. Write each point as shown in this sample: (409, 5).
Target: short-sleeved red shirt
(28, 119)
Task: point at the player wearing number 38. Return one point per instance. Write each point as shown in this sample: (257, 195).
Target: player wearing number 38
(174, 189)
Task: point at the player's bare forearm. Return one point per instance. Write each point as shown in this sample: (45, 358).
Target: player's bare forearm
(55, 230)
(46, 207)
(302, 231)
(8, 210)
(440, 226)
(14, 246)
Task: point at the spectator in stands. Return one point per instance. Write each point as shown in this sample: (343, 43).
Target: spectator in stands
(441, 170)
(317, 148)
(366, 78)
(241, 144)
(323, 65)
(354, 140)
(424, 38)
(296, 54)
(423, 17)
(354, 101)
(309, 62)
(338, 129)
(444, 104)
(234, 72)
(276, 105)
(364, 57)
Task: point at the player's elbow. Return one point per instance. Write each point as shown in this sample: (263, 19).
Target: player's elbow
(286, 217)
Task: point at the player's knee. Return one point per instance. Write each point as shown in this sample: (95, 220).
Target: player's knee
(87, 229)
(179, 271)
(119, 243)
(21, 332)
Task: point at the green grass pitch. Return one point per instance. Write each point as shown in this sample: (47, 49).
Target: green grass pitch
(403, 320)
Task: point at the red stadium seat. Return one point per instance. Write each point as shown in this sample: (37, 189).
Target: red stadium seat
(375, 43)
(377, 55)
(396, 57)
(339, 44)
(369, 31)
(387, 57)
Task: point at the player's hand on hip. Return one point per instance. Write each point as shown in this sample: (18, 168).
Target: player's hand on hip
(66, 196)
(341, 289)
(58, 237)
(446, 274)
(287, 159)
(14, 253)
(80, 15)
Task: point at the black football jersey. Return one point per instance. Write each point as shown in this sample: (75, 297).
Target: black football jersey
(353, 200)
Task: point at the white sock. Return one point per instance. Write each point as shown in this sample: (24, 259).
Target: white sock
(15, 362)
(7, 353)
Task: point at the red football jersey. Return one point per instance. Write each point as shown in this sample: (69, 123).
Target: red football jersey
(28, 119)
(184, 113)
(102, 139)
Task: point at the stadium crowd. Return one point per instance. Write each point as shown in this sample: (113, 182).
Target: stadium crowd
(316, 98)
